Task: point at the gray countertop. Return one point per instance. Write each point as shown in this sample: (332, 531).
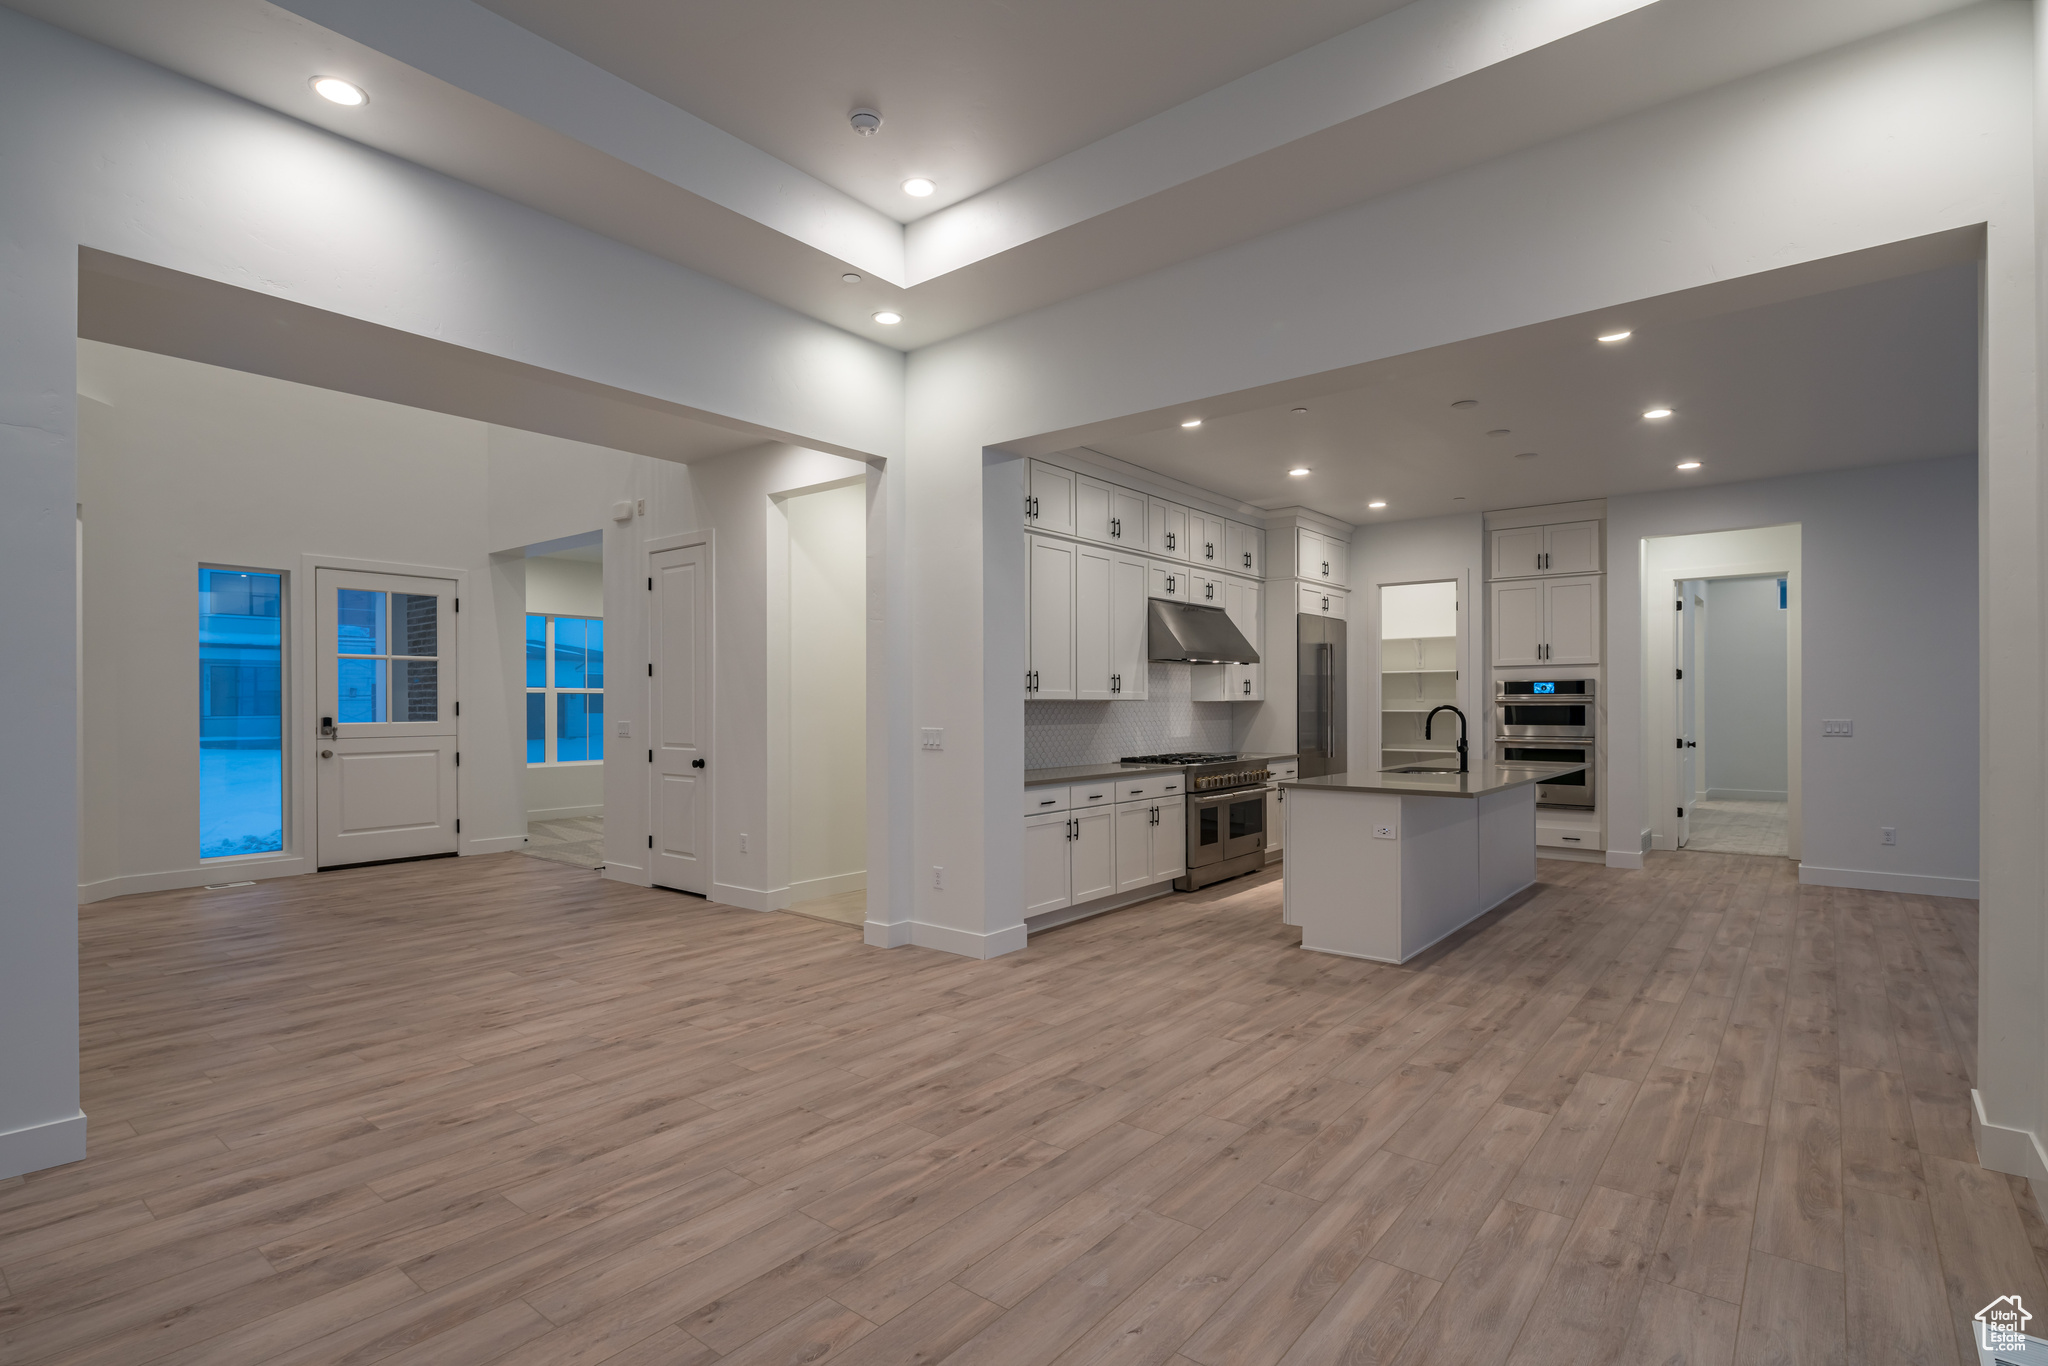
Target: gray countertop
(1090, 773)
(1483, 778)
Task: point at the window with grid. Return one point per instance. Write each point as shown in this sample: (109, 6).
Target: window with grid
(564, 689)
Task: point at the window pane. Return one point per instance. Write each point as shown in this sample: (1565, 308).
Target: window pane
(415, 618)
(572, 727)
(536, 727)
(415, 690)
(593, 653)
(569, 652)
(536, 650)
(360, 622)
(241, 739)
(359, 690)
(593, 708)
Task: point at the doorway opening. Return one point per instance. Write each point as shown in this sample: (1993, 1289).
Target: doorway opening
(1729, 646)
(1734, 775)
(1419, 655)
(820, 551)
(563, 677)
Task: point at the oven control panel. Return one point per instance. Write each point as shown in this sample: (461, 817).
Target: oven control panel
(1236, 777)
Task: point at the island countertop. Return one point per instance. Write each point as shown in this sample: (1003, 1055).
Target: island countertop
(1483, 778)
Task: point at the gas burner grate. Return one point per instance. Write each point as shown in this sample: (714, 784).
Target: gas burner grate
(1177, 759)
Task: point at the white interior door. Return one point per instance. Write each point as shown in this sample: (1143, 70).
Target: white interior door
(386, 717)
(1687, 673)
(679, 626)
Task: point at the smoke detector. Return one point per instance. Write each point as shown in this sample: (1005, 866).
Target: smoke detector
(865, 122)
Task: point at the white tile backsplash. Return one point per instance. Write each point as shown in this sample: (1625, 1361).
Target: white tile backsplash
(1057, 734)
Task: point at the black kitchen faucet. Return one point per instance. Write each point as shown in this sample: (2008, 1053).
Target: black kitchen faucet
(1463, 765)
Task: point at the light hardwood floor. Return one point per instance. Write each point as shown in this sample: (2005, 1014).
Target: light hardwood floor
(498, 1110)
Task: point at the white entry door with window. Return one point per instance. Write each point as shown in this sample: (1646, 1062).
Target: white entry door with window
(679, 647)
(386, 716)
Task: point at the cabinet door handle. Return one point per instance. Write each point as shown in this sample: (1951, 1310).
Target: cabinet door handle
(1169, 540)
(1247, 559)
(1116, 527)
(1208, 550)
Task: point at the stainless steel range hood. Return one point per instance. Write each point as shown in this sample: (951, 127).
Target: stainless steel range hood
(1189, 634)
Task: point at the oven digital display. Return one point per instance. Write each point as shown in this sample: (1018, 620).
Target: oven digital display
(1545, 687)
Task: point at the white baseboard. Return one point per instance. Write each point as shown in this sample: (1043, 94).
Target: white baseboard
(630, 873)
(1567, 854)
(885, 935)
(751, 898)
(1742, 794)
(1620, 858)
(494, 844)
(565, 813)
(810, 889)
(1102, 905)
(175, 879)
(967, 943)
(37, 1146)
(1913, 884)
(2004, 1149)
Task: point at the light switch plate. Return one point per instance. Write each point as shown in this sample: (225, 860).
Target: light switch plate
(625, 730)
(1841, 727)
(934, 737)
(1385, 832)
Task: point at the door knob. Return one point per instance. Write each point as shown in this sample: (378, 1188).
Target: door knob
(696, 763)
(327, 754)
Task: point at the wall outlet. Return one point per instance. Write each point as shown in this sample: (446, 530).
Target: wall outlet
(1841, 727)
(640, 506)
(933, 737)
(938, 878)
(1385, 832)
(1891, 835)
(743, 844)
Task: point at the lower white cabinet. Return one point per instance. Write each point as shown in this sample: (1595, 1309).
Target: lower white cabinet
(1276, 821)
(1077, 856)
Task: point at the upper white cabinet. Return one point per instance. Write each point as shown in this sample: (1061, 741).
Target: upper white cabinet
(1172, 581)
(1236, 682)
(1206, 588)
(1319, 602)
(1130, 582)
(1106, 513)
(1547, 621)
(1318, 556)
(1108, 620)
(1168, 527)
(1049, 498)
(1208, 540)
(1094, 641)
(1049, 586)
(1561, 548)
(1245, 547)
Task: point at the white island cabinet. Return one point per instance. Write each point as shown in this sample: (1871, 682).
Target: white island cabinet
(1383, 865)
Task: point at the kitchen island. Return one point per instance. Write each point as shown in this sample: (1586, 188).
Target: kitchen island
(1383, 865)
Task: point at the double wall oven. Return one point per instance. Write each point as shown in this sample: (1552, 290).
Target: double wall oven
(1549, 721)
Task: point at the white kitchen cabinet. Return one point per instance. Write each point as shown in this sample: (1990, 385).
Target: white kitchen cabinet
(1319, 602)
(1319, 557)
(1246, 546)
(1130, 627)
(1560, 548)
(1208, 540)
(1276, 822)
(1108, 514)
(1093, 854)
(1094, 634)
(1206, 589)
(1546, 621)
(1169, 838)
(1236, 682)
(1171, 581)
(1167, 525)
(1134, 845)
(1049, 669)
(1049, 498)
(1048, 881)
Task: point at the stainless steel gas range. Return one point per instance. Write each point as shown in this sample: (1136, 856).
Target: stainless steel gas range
(1226, 815)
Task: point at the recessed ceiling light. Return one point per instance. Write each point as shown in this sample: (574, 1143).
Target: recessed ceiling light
(1525, 455)
(852, 277)
(1657, 414)
(339, 91)
(1300, 472)
(1466, 403)
(1299, 411)
(889, 317)
(918, 187)
(1688, 464)
(1615, 337)
(1459, 499)
(1380, 504)
(1499, 431)
(1192, 422)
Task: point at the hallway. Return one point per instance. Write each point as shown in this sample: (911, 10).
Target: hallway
(496, 1110)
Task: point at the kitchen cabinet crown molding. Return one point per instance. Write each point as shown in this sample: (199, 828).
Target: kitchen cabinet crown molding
(1584, 510)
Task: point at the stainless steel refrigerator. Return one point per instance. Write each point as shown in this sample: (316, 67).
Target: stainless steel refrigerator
(1319, 694)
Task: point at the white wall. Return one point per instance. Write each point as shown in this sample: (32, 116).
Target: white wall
(1887, 596)
(182, 464)
(827, 690)
(572, 588)
(1743, 756)
(1433, 548)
